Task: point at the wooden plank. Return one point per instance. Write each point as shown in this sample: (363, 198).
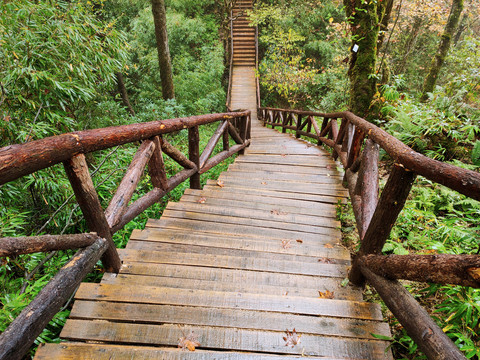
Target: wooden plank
(217, 338)
(273, 215)
(259, 202)
(260, 233)
(296, 169)
(295, 160)
(228, 318)
(340, 292)
(261, 225)
(279, 176)
(230, 300)
(244, 189)
(332, 188)
(285, 281)
(83, 351)
(185, 241)
(234, 262)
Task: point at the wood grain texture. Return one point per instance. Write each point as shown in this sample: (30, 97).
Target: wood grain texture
(238, 263)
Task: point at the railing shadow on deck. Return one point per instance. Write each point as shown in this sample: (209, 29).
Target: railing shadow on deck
(70, 149)
(356, 144)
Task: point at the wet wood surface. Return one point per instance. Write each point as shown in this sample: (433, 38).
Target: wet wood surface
(234, 266)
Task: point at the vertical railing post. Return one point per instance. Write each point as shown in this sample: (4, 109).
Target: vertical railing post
(226, 140)
(194, 155)
(243, 124)
(87, 198)
(389, 206)
(299, 126)
(156, 166)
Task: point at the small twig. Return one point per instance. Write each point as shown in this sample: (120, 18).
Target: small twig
(30, 275)
(390, 36)
(34, 121)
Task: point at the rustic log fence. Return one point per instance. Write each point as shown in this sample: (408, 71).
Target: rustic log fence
(356, 142)
(70, 149)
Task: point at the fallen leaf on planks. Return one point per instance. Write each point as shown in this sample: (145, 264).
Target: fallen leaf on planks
(202, 200)
(220, 183)
(278, 212)
(299, 241)
(283, 155)
(328, 246)
(286, 244)
(326, 295)
(325, 260)
(264, 183)
(292, 338)
(188, 342)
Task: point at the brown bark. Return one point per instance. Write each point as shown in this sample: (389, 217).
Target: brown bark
(194, 155)
(156, 166)
(19, 160)
(13, 246)
(441, 268)
(212, 143)
(464, 181)
(389, 206)
(429, 337)
(164, 62)
(22, 332)
(87, 198)
(438, 60)
(123, 93)
(129, 183)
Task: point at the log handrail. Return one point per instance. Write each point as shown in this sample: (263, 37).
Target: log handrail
(20, 160)
(356, 144)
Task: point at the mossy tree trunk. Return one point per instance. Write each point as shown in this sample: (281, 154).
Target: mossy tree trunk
(384, 23)
(166, 75)
(438, 60)
(364, 18)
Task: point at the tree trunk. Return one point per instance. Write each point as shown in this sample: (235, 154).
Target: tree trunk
(461, 29)
(437, 62)
(123, 93)
(164, 62)
(364, 25)
(384, 24)
(409, 45)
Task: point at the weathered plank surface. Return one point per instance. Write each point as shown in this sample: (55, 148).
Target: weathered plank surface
(234, 266)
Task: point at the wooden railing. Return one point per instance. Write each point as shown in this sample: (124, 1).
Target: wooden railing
(356, 142)
(19, 160)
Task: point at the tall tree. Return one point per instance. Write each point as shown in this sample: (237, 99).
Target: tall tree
(166, 75)
(365, 18)
(437, 62)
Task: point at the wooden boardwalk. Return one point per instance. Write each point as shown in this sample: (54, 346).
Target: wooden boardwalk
(234, 266)
(230, 269)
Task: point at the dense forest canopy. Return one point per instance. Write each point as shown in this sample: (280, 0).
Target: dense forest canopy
(83, 64)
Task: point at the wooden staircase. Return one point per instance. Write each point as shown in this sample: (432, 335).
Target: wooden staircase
(243, 35)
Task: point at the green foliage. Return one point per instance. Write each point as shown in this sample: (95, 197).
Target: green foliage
(54, 57)
(301, 54)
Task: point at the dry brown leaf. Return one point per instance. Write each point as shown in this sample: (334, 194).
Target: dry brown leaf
(325, 260)
(286, 244)
(292, 338)
(328, 246)
(202, 200)
(283, 155)
(189, 342)
(278, 212)
(220, 183)
(299, 241)
(326, 295)
(285, 293)
(264, 183)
